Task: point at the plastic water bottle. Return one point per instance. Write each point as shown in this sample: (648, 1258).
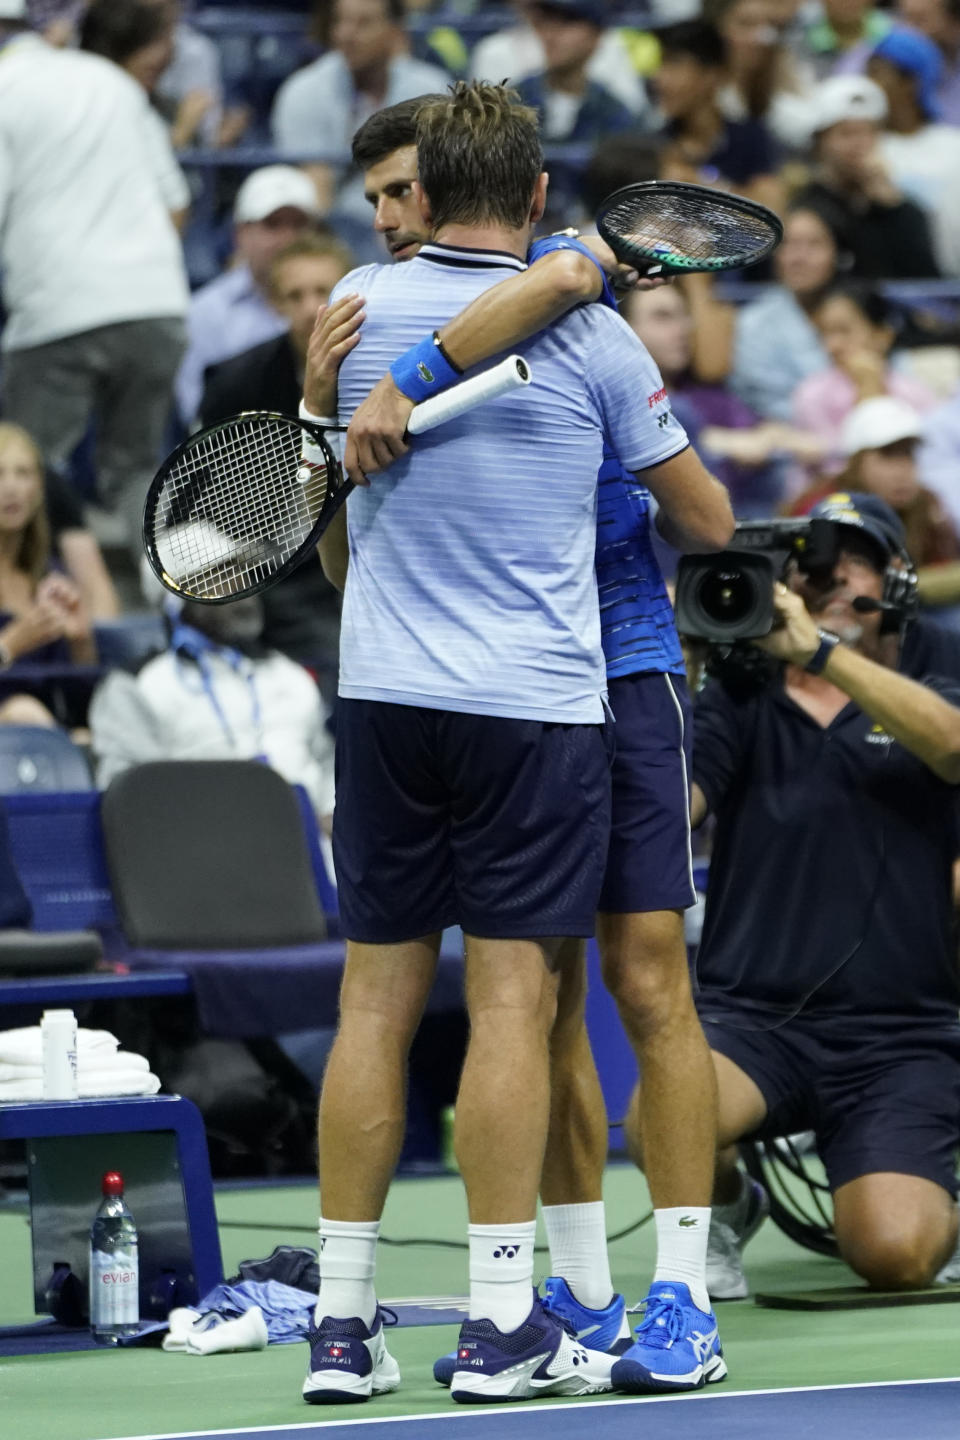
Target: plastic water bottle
(114, 1266)
(58, 1031)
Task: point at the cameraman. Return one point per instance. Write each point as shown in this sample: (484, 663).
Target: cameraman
(827, 985)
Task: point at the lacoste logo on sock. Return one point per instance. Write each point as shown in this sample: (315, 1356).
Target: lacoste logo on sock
(688, 1222)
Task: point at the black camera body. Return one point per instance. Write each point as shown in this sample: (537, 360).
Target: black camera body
(729, 596)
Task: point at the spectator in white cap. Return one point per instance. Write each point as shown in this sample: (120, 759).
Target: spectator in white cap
(274, 207)
(888, 236)
(880, 439)
(93, 277)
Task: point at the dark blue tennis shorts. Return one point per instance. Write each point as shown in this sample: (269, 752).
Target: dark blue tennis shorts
(649, 865)
(880, 1096)
(497, 825)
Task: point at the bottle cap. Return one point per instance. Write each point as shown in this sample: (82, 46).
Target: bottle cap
(113, 1183)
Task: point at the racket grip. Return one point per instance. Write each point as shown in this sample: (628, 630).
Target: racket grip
(510, 374)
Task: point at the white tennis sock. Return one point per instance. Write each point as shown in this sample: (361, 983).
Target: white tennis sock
(501, 1273)
(682, 1249)
(348, 1263)
(577, 1236)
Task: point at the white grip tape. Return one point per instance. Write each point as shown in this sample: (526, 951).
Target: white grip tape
(311, 454)
(510, 374)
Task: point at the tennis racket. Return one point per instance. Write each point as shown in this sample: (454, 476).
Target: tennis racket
(243, 502)
(668, 227)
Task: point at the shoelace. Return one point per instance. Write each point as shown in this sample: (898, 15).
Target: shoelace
(662, 1323)
(388, 1317)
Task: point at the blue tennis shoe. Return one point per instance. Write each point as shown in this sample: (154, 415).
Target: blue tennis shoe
(677, 1346)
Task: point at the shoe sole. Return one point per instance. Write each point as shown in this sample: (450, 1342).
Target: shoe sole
(635, 1379)
(348, 1389)
(470, 1389)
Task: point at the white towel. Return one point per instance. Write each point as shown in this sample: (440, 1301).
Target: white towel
(97, 1062)
(25, 1047)
(118, 1082)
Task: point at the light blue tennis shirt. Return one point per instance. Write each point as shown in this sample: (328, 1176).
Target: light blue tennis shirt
(471, 584)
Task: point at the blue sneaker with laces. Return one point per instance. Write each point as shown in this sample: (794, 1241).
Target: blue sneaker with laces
(540, 1357)
(600, 1329)
(605, 1329)
(349, 1361)
(677, 1346)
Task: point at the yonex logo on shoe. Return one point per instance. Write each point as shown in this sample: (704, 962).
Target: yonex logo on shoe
(506, 1252)
(688, 1222)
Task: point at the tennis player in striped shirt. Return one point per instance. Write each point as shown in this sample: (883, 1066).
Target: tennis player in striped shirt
(482, 654)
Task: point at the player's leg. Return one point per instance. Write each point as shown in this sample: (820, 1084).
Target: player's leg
(529, 841)
(757, 1083)
(393, 871)
(579, 1288)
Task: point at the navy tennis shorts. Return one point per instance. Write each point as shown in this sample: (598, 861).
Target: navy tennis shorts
(498, 825)
(880, 1096)
(649, 865)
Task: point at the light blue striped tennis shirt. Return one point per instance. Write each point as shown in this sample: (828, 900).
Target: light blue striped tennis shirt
(471, 584)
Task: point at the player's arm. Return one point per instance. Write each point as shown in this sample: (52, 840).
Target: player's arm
(695, 514)
(335, 333)
(924, 722)
(495, 321)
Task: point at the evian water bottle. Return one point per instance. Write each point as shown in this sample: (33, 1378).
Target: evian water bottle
(114, 1266)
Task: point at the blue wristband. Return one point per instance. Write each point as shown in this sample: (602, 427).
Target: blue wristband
(547, 244)
(424, 370)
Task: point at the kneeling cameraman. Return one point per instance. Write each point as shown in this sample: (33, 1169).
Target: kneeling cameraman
(827, 975)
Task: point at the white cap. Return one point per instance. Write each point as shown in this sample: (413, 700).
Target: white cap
(13, 9)
(273, 188)
(846, 97)
(879, 422)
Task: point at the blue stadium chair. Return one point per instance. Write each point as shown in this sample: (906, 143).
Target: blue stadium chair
(129, 639)
(34, 759)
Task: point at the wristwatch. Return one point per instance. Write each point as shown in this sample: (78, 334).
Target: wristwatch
(828, 641)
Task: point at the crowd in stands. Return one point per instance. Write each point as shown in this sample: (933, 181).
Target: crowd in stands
(177, 198)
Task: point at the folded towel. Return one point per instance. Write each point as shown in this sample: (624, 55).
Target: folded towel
(119, 1082)
(25, 1047)
(97, 1062)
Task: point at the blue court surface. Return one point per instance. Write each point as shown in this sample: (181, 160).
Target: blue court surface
(917, 1410)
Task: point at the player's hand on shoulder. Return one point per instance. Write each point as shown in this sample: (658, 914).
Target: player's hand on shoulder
(376, 434)
(335, 333)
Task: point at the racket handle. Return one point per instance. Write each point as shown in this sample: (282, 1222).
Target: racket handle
(510, 374)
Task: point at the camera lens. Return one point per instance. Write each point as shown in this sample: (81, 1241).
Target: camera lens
(727, 596)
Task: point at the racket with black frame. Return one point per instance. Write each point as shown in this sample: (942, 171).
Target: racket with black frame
(243, 502)
(669, 227)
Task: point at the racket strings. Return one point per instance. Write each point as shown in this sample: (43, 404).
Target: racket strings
(677, 227)
(234, 507)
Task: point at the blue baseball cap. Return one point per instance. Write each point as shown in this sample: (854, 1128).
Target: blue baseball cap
(867, 513)
(592, 10)
(919, 57)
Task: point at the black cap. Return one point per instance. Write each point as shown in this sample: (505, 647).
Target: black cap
(867, 513)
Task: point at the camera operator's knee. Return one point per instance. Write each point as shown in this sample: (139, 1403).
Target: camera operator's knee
(895, 1231)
